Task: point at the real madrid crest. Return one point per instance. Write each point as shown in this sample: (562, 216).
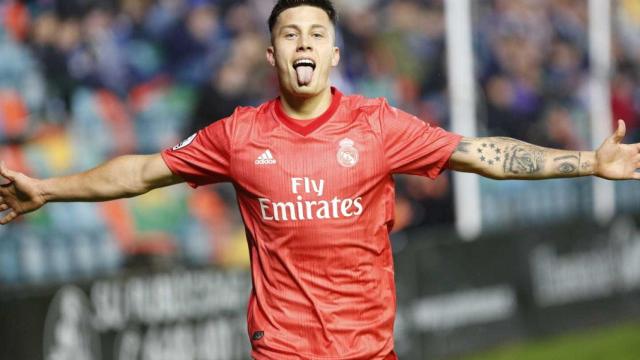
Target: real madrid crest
(347, 154)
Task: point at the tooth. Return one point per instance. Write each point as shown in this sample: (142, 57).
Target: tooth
(306, 62)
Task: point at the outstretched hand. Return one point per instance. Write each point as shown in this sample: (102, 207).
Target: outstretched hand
(19, 196)
(618, 161)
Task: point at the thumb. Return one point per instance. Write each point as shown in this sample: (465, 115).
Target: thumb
(618, 135)
(6, 173)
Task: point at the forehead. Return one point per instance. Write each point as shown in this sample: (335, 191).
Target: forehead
(303, 16)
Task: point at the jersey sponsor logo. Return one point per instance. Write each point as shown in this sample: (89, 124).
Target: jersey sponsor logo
(185, 142)
(302, 208)
(266, 159)
(348, 155)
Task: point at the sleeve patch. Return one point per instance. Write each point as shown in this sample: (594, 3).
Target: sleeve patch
(185, 142)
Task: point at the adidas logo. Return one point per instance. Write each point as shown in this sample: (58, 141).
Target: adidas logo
(266, 159)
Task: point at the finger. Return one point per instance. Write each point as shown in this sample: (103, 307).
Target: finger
(618, 135)
(4, 207)
(8, 218)
(6, 173)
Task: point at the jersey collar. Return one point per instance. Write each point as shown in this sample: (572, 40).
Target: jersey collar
(312, 124)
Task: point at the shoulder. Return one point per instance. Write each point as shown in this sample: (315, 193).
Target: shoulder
(247, 122)
(249, 113)
(228, 127)
(360, 103)
(372, 112)
(244, 116)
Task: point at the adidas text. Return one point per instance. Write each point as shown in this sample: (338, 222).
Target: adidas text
(266, 159)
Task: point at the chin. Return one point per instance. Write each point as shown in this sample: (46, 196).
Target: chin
(305, 91)
(310, 90)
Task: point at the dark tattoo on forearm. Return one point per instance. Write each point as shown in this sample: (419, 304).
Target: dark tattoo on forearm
(514, 157)
(507, 157)
(523, 160)
(489, 153)
(463, 147)
(567, 165)
(587, 168)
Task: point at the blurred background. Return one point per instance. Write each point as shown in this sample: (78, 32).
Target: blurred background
(82, 81)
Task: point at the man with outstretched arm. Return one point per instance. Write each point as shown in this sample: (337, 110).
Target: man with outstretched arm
(313, 174)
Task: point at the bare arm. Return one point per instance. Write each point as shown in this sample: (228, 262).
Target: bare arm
(122, 177)
(506, 158)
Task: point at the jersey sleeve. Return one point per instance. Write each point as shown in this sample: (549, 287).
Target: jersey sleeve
(412, 146)
(204, 158)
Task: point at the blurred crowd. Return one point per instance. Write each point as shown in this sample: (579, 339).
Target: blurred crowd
(534, 69)
(85, 80)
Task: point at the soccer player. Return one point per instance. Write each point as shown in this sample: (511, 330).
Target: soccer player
(313, 173)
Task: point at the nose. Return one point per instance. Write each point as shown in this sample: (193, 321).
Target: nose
(304, 43)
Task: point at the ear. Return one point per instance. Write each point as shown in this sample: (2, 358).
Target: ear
(335, 59)
(271, 57)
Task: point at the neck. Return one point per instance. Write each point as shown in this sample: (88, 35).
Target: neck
(306, 108)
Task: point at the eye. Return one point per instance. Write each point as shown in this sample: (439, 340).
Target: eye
(567, 168)
(318, 35)
(289, 36)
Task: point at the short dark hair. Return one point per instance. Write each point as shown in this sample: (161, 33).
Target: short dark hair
(283, 5)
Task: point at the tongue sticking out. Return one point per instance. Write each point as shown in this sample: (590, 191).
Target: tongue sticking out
(305, 73)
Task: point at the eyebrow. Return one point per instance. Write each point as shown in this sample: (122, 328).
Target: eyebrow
(296, 27)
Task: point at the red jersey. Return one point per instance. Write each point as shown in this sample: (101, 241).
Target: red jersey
(317, 201)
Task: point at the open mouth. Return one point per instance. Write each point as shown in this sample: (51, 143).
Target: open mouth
(304, 69)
